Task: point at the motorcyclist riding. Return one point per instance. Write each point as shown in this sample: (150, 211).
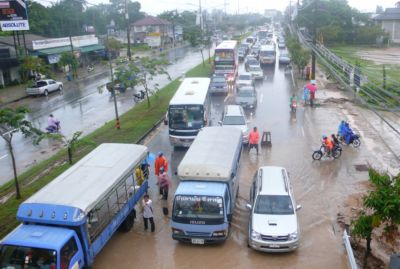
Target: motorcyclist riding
(293, 102)
(327, 144)
(53, 125)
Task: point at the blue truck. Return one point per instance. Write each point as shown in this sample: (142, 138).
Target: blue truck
(67, 222)
(205, 198)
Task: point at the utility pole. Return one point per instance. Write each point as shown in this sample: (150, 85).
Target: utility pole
(128, 30)
(117, 123)
(313, 55)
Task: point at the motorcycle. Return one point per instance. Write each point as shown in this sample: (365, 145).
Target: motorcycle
(90, 68)
(139, 96)
(53, 129)
(322, 152)
(293, 106)
(354, 140)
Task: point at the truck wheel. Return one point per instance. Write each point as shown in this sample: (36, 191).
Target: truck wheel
(46, 92)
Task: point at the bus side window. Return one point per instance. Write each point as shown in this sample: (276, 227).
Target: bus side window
(67, 253)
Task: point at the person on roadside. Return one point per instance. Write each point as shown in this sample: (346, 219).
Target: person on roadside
(312, 88)
(160, 161)
(306, 95)
(148, 214)
(254, 138)
(164, 183)
(145, 169)
(139, 176)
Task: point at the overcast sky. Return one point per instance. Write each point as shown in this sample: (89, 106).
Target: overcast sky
(155, 7)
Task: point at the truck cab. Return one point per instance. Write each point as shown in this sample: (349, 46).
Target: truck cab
(36, 246)
(201, 212)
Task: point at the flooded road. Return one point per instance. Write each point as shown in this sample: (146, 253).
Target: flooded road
(81, 107)
(320, 187)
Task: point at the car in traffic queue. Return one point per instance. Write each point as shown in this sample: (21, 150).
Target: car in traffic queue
(234, 116)
(256, 72)
(246, 97)
(218, 84)
(273, 224)
(281, 44)
(251, 62)
(284, 57)
(244, 79)
(241, 54)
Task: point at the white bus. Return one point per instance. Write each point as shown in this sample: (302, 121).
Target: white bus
(188, 111)
(226, 59)
(267, 54)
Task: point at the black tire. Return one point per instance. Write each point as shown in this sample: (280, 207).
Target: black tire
(356, 142)
(337, 153)
(46, 92)
(317, 155)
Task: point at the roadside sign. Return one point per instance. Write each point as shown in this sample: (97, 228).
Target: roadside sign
(13, 15)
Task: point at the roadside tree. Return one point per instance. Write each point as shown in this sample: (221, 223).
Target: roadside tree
(67, 59)
(382, 207)
(12, 122)
(141, 72)
(33, 64)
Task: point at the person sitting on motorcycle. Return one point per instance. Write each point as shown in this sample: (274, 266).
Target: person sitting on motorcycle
(341, 128)
(293, 100)
(327, 144)
(53, 123)
(335, 140)
(348, 133)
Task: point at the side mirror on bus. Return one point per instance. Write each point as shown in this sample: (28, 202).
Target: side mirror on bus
(220, 123)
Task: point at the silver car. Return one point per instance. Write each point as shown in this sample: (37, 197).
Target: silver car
(273, 225)
(234, 116)
(246, 97)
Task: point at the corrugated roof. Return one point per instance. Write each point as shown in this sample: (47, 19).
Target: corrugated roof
(91, 48)
(389, 14)
(150, 20)
(8, 40)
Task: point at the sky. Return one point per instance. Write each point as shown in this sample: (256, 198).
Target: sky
(154, 7)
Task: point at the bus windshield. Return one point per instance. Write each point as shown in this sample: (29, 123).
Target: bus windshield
(186, 117)
(198, 209)
(27, 257)
(223, 55)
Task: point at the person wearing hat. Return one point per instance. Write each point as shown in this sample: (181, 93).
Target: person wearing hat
(160, 161)
(164, 183)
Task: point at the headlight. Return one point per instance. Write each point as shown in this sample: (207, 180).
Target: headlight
(219, 233)
(255, 235)
(293, 236)
(177, 231)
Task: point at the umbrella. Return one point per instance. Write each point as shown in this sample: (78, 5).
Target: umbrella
(150, 158)
(312, 88)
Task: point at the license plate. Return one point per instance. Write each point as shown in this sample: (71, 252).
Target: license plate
(274, 246)
(198, 241)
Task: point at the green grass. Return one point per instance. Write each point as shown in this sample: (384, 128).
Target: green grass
(134, 124)
(372, 70)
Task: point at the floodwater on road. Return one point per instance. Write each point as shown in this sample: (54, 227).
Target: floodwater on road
(321, 187)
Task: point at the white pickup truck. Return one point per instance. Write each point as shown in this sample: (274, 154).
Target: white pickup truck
(44, 87)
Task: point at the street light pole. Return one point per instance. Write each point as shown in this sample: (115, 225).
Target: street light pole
(117, 123)
(313, 55)
(128, 29)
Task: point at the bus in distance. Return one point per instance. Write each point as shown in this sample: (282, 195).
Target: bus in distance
(226, 59)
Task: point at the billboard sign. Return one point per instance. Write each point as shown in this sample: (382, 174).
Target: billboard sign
(13, 15)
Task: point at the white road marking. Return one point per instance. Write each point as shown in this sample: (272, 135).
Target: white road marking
(87, 111)
(261, 98)
(4, 156)
(302, 131)
(83, 98)
(227, 96)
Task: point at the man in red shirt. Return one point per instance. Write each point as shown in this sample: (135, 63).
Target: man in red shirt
(254, 138)
(161, 161)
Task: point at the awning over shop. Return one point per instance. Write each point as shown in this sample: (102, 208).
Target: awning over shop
(90, 48)
(51, 51)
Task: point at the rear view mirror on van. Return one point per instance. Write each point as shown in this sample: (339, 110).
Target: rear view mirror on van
(298, 207)
(248, 206)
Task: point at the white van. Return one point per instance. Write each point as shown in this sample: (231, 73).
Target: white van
(273, 225)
